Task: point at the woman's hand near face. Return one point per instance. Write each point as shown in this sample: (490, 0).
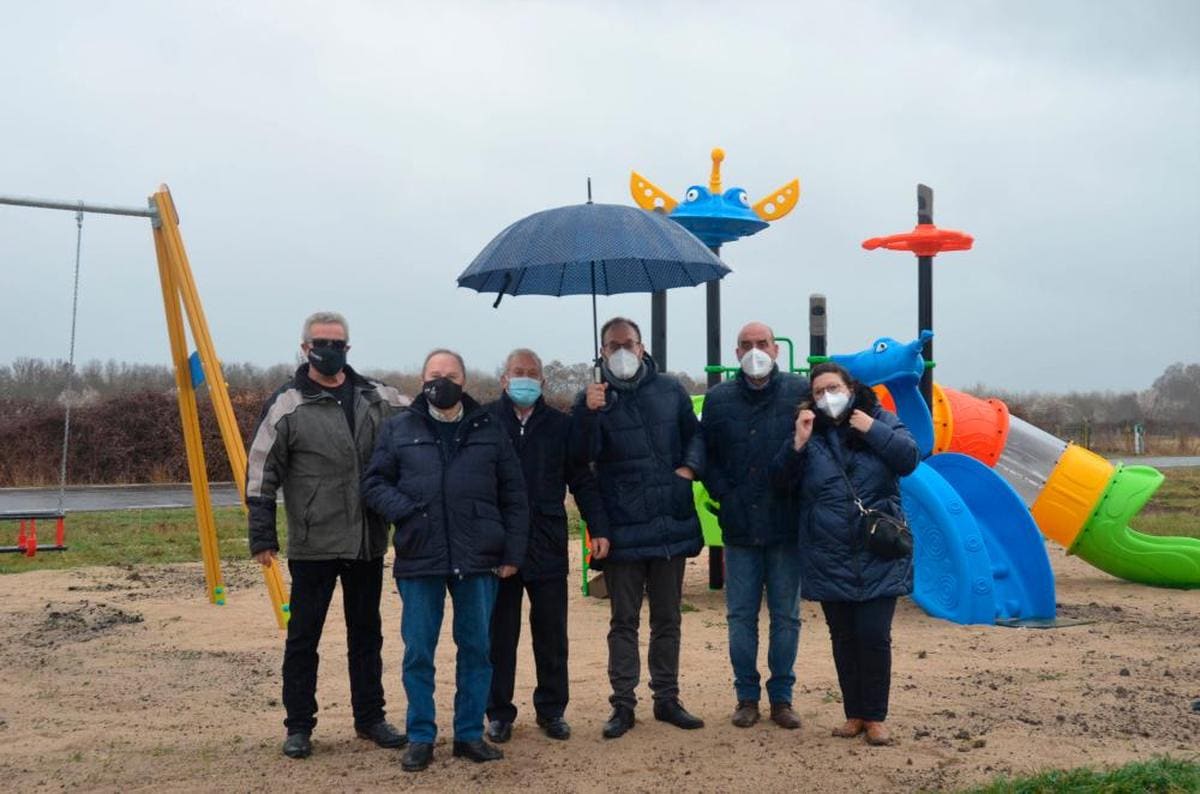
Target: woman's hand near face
(860, 421)
(804, 425)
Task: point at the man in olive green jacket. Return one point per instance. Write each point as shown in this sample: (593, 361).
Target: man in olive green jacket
(315, 436)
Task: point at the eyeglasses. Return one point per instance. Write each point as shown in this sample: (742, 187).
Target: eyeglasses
(328, 344)
(837, 389)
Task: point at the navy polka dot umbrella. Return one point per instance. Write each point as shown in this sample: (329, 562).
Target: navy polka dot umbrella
(591, 249)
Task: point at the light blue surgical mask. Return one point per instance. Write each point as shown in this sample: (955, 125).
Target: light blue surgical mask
(524, 391)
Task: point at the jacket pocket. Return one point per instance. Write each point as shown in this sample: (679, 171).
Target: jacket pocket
(410, 532)
(626, 502)
(683, 500)
(489, 529)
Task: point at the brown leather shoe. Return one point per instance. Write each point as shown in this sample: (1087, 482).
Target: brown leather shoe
(849, 730)
(746, 713)
(783, 716)
(878, 734)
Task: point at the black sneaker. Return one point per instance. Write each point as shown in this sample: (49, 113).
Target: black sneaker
(478, 751)
(298, 745)
(672, 711)
(383, 735)
(618, 723)
(417, 757)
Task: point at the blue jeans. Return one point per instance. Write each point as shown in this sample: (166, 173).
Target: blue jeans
(747, 570)
(424, 602)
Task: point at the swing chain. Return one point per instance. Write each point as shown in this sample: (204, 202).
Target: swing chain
(62, 468)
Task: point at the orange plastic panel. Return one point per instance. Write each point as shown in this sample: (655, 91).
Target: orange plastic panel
(1071, 493)
(980, 427)
(943, 420)
(885, 397)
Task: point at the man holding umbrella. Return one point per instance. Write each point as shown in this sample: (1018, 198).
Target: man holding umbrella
(637, 429)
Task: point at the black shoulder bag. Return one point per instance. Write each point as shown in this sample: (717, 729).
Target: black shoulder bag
(886, 536)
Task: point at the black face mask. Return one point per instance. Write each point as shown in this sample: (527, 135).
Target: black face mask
(442, 393)
(327, 361)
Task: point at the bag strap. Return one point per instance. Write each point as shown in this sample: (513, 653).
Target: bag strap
(835, 452)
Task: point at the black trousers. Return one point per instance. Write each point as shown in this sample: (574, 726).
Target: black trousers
(548, 632)
(662, 582)
(313, 582)
(861, 632)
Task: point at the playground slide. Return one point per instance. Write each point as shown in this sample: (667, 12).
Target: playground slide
(1022, 580)
(1085, 504)
(952, 576)
(1077, 498)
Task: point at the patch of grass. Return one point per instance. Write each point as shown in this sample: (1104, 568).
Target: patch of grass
(1175, 508)
(131, 537)
(1162, 775)
(684, 606)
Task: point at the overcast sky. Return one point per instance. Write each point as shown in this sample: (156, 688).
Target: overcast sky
(357, 156)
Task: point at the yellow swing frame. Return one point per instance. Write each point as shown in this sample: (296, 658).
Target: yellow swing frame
(181, 298)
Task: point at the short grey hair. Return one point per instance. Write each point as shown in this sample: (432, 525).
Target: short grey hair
(522, 351)
(323, 318)
(443, 351)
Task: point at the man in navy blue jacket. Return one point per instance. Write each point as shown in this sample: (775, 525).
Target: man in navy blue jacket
(638, 430)
(539, 433)
(746, 419)
(445, 475)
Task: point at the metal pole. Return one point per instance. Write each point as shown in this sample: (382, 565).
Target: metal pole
(713, 307)
(925, 292)
(77, 206)
(716, 554)
(658, 328)
(817, 324)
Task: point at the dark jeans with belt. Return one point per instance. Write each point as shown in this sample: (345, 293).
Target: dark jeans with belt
(861, 632)
(313, 582)
(548, 632)
(662, 582)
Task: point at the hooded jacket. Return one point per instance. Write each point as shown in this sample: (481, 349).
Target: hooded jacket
(836, 563)
(458, 511)
(303, 445)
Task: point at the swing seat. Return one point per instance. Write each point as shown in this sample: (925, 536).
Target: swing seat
(27, 542)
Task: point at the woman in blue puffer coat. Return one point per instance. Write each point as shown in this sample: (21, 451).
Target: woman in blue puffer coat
(850, 436)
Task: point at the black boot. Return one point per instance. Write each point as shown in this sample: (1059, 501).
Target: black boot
(620, 722)
(478, 751)
(298, 745)
(672, 711)
(417, 757)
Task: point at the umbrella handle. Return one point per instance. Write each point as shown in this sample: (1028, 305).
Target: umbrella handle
(504, 286)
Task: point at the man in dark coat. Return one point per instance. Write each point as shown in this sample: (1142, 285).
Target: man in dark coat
(746, 420)
(446, 476)
(638, 429)
(539, 433)
(313, 439)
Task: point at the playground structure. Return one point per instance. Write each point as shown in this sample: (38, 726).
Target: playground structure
(990, 487)
(715, 217)
(181, 298)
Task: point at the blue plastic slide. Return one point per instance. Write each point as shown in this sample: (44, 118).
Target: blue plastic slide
(1022, 581)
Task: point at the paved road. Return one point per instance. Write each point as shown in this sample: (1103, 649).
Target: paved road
(140, 497)
(1173, 462)
(112, 497)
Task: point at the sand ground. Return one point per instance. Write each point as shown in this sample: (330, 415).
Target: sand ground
(125, 679)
